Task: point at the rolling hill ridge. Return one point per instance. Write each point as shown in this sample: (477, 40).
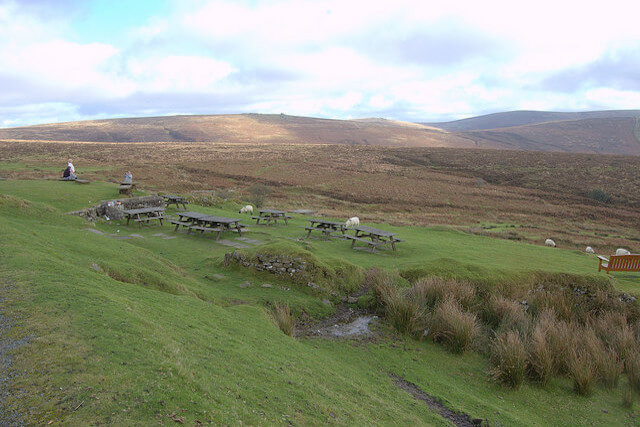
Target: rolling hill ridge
(601, 132)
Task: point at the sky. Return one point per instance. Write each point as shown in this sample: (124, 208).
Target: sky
(411, 60)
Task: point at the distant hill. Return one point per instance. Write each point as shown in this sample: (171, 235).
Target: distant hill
(520, 118)
(610, 132)
(243, 128)
(603, 136)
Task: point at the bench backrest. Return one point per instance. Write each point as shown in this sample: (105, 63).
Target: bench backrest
(624, 262)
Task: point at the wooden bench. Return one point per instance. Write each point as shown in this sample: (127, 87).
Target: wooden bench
(148, 219)
(371, 243)
(619, 263)
(179, 223)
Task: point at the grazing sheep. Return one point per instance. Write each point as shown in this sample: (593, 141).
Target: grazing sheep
(590, 250)
(352, 222)
(247, 209)
(550, 242)
(621, 251)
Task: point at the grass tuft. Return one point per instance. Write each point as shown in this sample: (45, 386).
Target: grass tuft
(509, 358)
(582, 371)
(453, 327)
(283, 317)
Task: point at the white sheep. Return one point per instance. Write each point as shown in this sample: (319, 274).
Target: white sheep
(550, 242)
(621, 251)
(247, 209)
(352, 222)
(590, 250)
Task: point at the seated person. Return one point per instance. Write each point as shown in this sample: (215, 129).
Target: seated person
(68, 174)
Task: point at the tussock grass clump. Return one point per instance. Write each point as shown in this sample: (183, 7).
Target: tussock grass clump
(453, 327)
(382, 284)
(283, 318)
(632, 369)
(540, 355)
(509, 358)
(614, 331)
(504, 313)
(405, 313)
(432, 290)
(582, 371)
(627, 397)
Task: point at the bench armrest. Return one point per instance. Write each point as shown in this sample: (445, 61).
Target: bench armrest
(601, 258)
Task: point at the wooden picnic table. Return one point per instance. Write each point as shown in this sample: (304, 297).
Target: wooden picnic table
(208, 223)
(271, 215)
(144, 215)
(376, 237)
(171, 199)
(326, 226)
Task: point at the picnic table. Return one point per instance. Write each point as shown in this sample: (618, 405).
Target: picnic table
(326, 226)
(373, 237)
(144, 215)
(271, 215)
(208, 223)
(171, 199)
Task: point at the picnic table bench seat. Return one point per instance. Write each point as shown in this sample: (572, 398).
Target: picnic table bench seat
(372, 243)
(619, 263)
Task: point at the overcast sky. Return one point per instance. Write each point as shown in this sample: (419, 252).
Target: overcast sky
(422, 60)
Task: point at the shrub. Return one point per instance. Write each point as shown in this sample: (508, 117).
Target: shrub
(541, 359)
(599, 195)
(509, 358)
(282, 315)
(582, 371)
(453, 327)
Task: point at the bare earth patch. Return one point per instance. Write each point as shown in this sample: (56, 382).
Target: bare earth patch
(457, 418)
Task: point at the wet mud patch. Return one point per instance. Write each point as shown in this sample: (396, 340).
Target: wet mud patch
(345, 323)
(436, 405)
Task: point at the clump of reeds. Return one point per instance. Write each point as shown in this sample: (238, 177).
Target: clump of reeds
(509, 358)
(283, 318)
(452, 326)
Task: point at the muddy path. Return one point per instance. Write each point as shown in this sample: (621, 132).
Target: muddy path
(436, 405)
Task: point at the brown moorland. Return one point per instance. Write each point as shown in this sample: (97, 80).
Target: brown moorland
(576, 199)
(243, 128)
(593, 132)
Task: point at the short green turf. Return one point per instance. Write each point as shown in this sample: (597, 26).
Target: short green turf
(155, 329)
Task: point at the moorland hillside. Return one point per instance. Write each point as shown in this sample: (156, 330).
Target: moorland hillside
(525, 117)
(242, 128)
(610, 132)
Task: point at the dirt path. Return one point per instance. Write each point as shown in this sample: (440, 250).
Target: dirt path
(8, 417)
(457, 418)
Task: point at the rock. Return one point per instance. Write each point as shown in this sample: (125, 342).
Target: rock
(326, 302)
(95, 267)
(267, 285)
(245, 284)
(352, 300)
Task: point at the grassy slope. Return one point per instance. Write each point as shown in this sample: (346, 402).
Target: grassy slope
(170, 340)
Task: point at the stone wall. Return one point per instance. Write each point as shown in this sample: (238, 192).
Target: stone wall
(285, 266)
(112, 209)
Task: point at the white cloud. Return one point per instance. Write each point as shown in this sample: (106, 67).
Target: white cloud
(331, 58)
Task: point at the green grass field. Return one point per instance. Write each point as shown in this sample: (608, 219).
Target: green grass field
(153, 329)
